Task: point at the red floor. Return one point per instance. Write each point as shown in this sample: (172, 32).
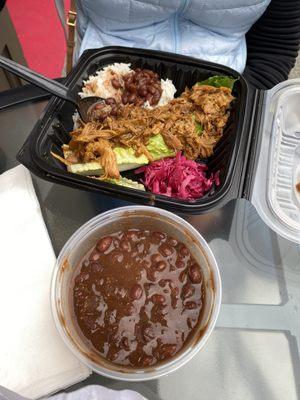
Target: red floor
(40, 33)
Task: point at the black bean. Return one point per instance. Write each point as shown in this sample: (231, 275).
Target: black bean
(155, 258)
(182, 276)
(195, 273)
(172, 242)
(187, 291)
(124, 99)
(184, 251)
(158, 299)
(129, 79)
(179, 264)
(136, 292)
(139, 102)
(151, 90)
(149, 98)
(125, 245)
(142, 91)
(190, 305)
(132, 88)
(143, 82)
(104, 244)
(116, 83)
(160, 265)
(156, 98)
(164, 282)
(151, 275)
(131, 98)
(159, 235)
(166, 250)
(110, 101)
(95, 255)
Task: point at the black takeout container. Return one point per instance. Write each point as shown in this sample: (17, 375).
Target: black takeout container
(230, 155)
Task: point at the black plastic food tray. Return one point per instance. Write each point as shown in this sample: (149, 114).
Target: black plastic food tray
(51, 131)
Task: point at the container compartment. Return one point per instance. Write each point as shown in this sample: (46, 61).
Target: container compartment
(284, 166)
(52, 130)
(275, 195)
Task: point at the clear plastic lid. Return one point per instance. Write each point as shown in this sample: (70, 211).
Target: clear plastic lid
(275, 193)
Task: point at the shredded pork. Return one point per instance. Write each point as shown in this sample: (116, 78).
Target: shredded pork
(175, 121)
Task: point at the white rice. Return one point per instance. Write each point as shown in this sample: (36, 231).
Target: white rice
(168, 91)
(100, 85)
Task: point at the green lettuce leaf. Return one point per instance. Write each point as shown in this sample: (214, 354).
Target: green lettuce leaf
(199, 128)
(219, 81)
(126, 158)
(127, 183)
(158, 148)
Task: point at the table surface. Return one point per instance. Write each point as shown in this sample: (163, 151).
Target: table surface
(254, 351)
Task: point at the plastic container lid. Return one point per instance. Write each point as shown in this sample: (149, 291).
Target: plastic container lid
(275, 195)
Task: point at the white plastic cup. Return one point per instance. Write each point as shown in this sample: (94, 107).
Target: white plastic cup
(68, 264)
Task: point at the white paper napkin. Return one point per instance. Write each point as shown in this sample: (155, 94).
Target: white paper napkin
(34, 361)
(95, 392)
